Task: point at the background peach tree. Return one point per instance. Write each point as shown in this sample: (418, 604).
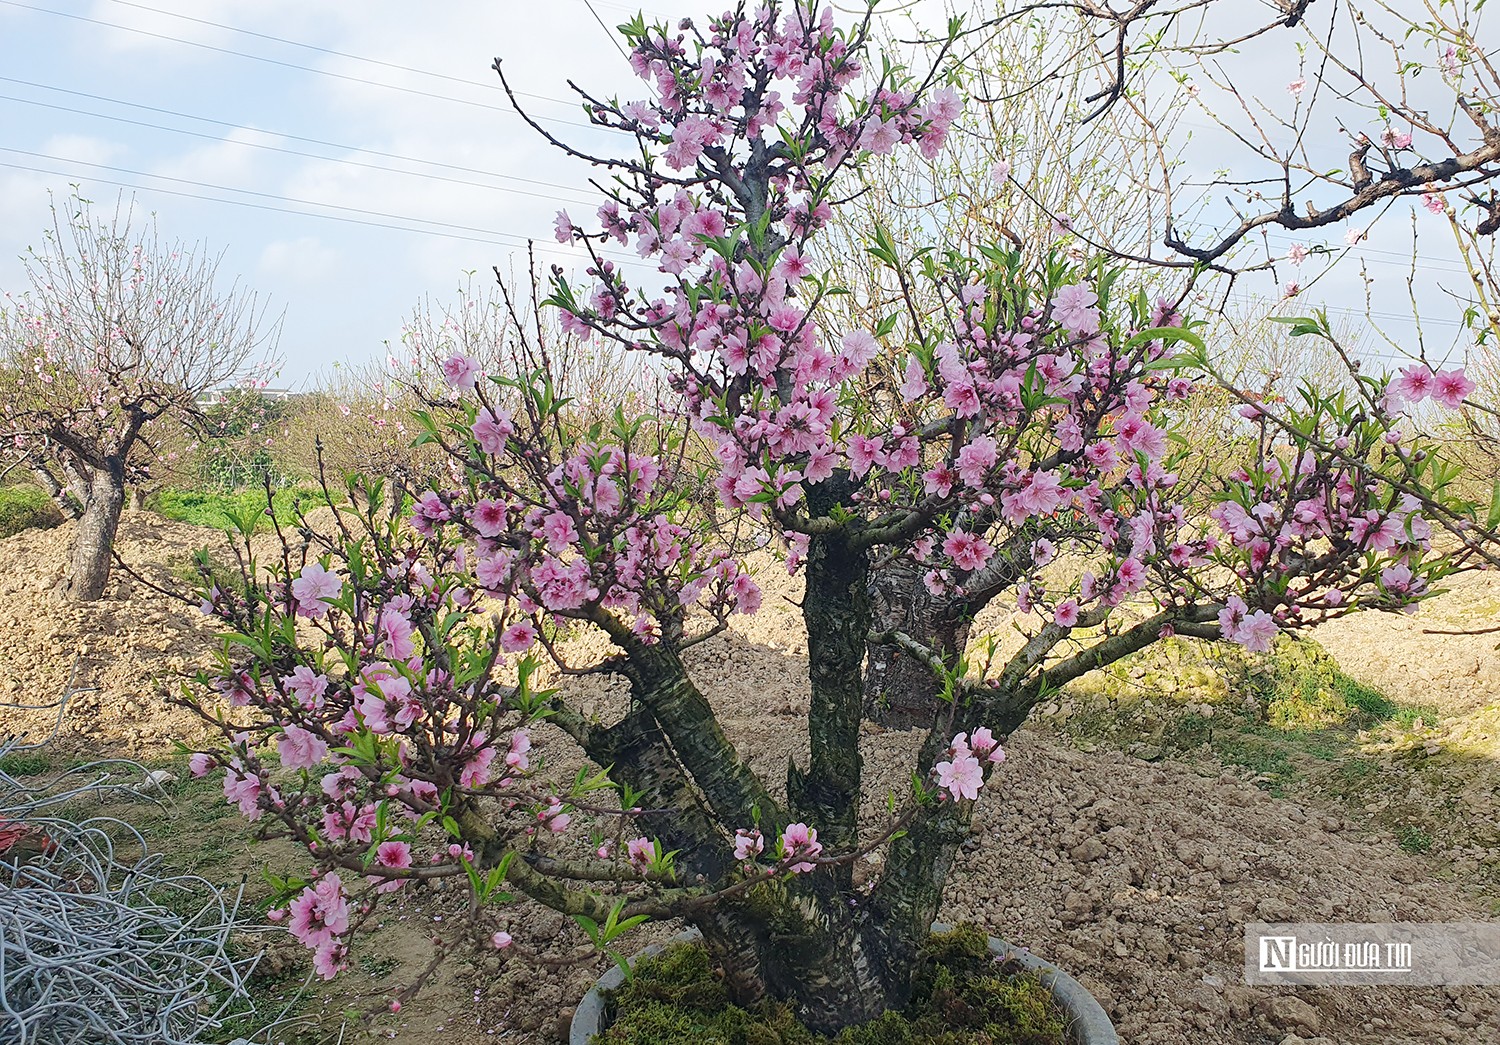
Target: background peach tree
(113, 346)
(378, 688)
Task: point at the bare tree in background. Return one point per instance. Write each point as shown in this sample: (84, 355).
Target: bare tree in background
(118, 332)
(1086, 143)
(1356, 126)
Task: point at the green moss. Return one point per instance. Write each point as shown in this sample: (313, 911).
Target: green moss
(961, 996)
(24, 508)
(1302, 687)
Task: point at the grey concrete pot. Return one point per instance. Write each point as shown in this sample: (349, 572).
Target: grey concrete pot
(1087, 1022)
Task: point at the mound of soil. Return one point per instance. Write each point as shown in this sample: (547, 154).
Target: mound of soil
(1443, 655)
(122, 652)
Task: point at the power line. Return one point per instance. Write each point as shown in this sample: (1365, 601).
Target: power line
(294, 152)
(278, 134)
(230, 188)
(491, 238)
(337, 54)
(457, 231)
(1365, 252)
(633, 9)
(607, 31)
(303, 68)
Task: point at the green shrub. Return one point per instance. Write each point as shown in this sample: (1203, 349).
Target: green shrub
(1414, 839)
(26, 507)
(234, 455)
(961, 996)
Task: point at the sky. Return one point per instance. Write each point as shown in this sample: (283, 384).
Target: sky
(352, 159)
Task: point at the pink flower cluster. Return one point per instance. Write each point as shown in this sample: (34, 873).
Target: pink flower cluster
(1449, 388)
(961, 774)
(319, 917)
(1252, 629)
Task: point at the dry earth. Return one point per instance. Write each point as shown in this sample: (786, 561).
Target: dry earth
(1136, 876)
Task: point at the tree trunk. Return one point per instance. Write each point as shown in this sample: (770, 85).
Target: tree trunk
(836, 612)
(804, 943)
(901, 692)
(89, 571)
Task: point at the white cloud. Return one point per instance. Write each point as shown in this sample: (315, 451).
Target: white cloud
(225, 162)
(79, 148)
(303, 261)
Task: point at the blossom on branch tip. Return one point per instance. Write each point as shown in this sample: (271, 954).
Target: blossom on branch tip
(461, 371)
(1452, 388)
(799, 840)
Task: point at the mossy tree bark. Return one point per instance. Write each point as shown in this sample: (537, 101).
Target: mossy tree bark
(901, 691)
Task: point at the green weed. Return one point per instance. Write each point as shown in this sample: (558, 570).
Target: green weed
(25, 508)
(215, 508)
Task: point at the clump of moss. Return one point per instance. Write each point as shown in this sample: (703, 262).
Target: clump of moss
(677, 998)
(1301, 687)
(961, 996)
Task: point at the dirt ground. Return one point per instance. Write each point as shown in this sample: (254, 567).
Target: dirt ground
(1137, 876)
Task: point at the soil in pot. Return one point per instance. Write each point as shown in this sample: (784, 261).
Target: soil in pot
(963, 996)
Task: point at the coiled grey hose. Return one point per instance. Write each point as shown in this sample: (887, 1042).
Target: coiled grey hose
(99, 941)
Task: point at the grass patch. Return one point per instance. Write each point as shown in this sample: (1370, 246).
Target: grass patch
(377, 967)
(25, 763)
(26, 508)
(219, 509)
(1267, 756)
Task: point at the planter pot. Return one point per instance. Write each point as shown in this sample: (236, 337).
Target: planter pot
(1087, 1022)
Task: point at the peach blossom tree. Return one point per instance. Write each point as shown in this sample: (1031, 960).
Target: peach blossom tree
(379, 689)
(119, 334)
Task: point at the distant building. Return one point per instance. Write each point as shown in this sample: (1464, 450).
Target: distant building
(215, 396)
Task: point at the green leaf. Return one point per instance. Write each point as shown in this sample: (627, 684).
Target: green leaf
(1302, 325)
(1168, 334)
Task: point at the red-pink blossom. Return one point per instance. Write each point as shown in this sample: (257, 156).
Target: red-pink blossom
(967, 550)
